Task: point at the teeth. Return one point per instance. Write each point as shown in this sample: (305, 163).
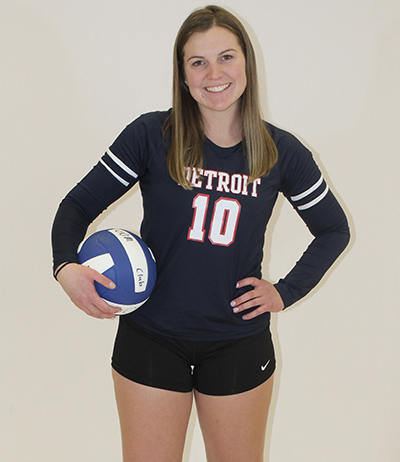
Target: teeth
(217, 89)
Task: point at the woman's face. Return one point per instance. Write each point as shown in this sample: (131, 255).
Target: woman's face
(215, 70)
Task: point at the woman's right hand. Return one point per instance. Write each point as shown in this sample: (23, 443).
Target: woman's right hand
(78, 283)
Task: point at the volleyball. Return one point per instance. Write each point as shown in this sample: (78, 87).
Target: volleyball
(124, 258)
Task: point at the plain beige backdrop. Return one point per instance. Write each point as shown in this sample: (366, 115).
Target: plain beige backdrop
(73, 73)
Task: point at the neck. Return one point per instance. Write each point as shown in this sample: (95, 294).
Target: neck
(222, 128)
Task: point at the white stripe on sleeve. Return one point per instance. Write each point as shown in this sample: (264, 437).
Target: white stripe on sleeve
(121, 180)
(121, 164)
(309, 191)
(315, 201)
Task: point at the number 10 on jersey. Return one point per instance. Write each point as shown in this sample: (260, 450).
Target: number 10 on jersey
(224, 221)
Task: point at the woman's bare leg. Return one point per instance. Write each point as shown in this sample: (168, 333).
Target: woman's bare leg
(234, 426)
(153, 421)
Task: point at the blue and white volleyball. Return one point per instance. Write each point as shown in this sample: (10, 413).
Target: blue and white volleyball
(124, 258)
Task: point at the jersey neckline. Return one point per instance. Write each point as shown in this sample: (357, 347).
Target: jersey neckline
(220, 151)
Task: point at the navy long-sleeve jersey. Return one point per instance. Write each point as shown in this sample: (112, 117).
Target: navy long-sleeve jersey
(208, 238)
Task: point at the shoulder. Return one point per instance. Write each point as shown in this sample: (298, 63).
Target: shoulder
(284, 140)
(154, 117)
(140, 140)
(291, 151)
(296, 165)
(149, 121)
(144, 132)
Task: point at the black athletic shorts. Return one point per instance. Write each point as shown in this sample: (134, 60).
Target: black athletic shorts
(211, 367)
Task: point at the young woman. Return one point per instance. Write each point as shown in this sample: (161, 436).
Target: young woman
(210, 171)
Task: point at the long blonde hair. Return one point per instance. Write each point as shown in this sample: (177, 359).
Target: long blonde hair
(185, 121)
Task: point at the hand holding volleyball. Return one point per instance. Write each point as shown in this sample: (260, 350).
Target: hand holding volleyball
(78, 283)
(125, 259)
(116, 274)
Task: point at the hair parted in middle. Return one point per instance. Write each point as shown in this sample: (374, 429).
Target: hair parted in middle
(185, 120)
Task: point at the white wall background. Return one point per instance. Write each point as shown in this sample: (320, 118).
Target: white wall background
(72, 75)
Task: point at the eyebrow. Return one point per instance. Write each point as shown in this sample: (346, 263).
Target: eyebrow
(219, 54)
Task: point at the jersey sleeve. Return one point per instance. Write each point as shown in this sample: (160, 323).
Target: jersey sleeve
(117, 171)
(305, 188)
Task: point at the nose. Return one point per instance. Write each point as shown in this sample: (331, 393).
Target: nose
(214, 71)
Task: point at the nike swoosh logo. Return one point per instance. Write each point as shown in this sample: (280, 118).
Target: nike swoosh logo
(265, 365)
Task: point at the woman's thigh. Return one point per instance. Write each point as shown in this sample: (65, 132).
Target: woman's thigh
(234, 426)
(153, 421)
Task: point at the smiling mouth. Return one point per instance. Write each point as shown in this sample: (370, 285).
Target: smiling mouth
(218, 89)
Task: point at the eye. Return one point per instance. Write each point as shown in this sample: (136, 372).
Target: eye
(226, 57)
(197, 63)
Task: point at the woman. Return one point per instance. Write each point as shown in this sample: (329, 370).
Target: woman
(210, 171)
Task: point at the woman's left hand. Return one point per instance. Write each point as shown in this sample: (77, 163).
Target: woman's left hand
(264, 296)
